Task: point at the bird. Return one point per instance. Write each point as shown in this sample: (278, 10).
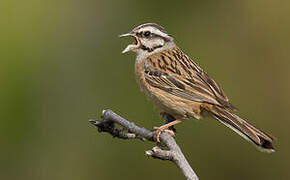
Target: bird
(182, 89)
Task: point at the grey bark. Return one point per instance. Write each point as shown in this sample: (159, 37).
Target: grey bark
(131, 131)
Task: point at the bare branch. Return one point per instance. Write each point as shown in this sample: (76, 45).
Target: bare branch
(174, 153)
(158, 153)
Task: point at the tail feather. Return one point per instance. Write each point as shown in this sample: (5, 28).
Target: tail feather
(260, 139)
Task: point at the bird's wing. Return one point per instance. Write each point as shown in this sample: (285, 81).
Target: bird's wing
(175, 73)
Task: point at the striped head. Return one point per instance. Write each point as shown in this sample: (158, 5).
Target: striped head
(148, 39)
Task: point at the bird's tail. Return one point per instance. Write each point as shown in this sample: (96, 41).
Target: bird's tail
(260, 139)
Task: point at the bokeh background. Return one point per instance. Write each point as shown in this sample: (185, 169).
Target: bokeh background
(60, 64)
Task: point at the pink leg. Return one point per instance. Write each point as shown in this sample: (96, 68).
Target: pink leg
(163, 127)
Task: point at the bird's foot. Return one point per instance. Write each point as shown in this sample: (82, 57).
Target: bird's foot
(165, 128)
(159, 130)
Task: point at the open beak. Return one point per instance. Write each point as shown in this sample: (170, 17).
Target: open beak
(134, 45)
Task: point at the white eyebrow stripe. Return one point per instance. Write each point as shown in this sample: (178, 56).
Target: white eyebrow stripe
(153, 30)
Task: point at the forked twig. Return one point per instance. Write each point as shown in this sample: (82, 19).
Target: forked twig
(174, 153)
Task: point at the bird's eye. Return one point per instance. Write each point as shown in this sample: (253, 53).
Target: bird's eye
(147, 34)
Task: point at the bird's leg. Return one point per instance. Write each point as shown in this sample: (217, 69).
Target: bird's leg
(164, 127)
(167, 119)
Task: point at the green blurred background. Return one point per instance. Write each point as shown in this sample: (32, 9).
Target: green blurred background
(60, 63)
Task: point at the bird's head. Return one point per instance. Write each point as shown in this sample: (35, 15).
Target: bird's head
(148, 38)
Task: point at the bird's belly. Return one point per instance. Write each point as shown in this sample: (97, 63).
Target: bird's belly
(174, 105)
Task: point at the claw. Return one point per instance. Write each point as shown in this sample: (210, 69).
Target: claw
(159, 131)
(165, 128)
(157, 135)
(170, 132)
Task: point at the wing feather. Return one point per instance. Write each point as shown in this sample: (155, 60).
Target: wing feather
(175, 73)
